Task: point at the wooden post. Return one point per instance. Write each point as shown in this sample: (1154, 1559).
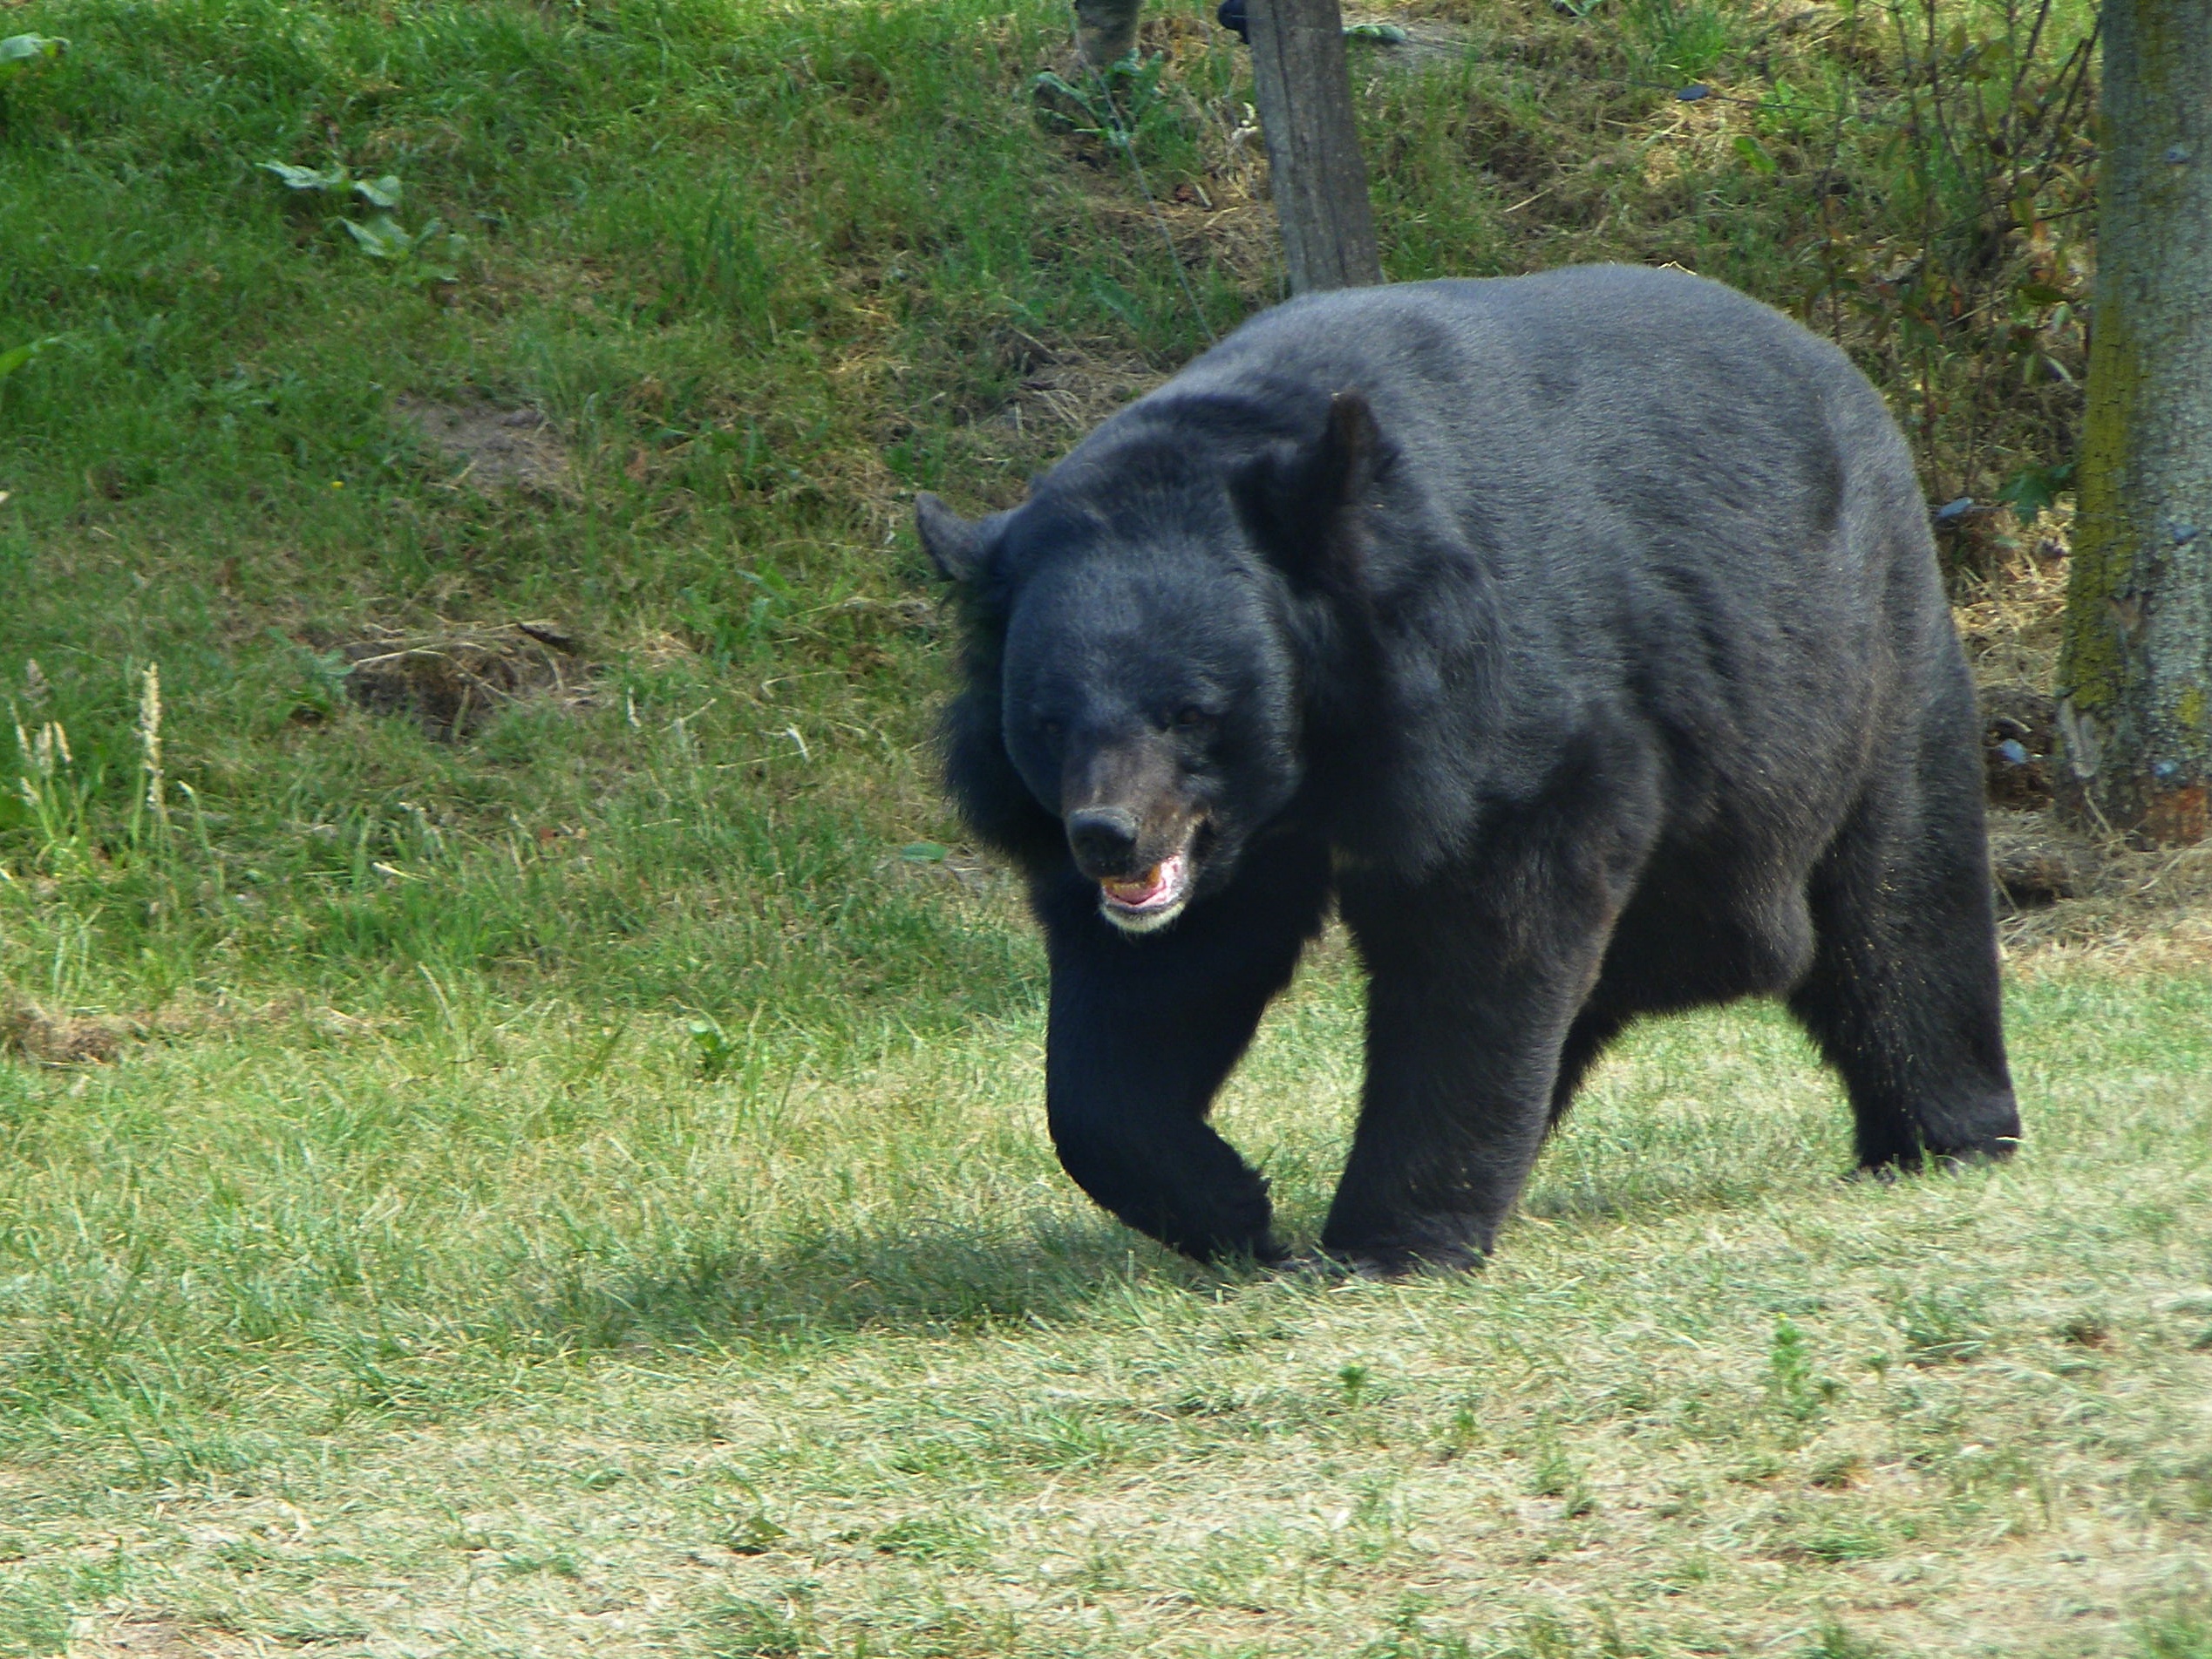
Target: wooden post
(1314, 167)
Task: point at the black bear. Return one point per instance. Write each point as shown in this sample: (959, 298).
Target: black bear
(1580, 636)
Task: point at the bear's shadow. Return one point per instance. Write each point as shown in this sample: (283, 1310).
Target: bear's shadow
(1052, 1270)
(920, 1278)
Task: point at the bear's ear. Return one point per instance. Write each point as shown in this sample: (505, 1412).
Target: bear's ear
(958, 548)
(1296, 500)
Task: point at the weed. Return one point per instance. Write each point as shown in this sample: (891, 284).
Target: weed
(934, 1538)
(1412, 1637)
(1683, 38)
(19, 356)
(1797, 1392)
(2183, 1633)
(743, 1628)
(1942, 1326)
(756, 1535)
(1115, 104)
(1835, 1641)
(20, 54)
(1554, 1475)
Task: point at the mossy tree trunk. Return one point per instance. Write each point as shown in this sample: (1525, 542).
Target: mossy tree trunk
(2135, 673)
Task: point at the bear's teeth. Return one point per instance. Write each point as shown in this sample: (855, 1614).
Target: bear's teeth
(1138, 891)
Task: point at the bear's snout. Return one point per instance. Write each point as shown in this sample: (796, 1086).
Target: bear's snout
(1104, 841)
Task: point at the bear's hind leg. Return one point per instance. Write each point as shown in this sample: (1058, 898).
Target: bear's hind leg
(1902, 996)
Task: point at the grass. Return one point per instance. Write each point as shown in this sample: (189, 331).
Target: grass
(531, 1341)
(532, 1146)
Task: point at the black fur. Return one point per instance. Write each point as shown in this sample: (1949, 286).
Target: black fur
(1580, 636)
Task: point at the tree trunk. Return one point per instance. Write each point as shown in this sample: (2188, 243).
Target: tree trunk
(1303, 84)
(2135, 670)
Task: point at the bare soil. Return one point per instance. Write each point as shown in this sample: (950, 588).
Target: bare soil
(494, 448)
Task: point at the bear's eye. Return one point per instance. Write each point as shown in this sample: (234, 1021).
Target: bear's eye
(1049, 728)
(1191, 715)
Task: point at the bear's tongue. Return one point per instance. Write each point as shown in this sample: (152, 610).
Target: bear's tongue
(1144, 889)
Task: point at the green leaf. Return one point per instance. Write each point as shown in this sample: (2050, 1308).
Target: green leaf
(378, 193)
(2031, 489)
(380, 238)
(1754, 153)
(1387, 34)
(16, 357)
(1120, 301)
(2041, 294)
(307, 178)
(17, 51)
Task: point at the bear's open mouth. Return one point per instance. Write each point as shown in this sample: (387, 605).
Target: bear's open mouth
(1148, 900)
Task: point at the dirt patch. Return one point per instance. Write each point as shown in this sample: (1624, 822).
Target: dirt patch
(28, 1032)
(454, 680)
(2083, 896)
(494, 448)
(2037, 861)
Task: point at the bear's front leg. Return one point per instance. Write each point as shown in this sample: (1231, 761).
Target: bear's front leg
(1145, 1027)
(1474, 986)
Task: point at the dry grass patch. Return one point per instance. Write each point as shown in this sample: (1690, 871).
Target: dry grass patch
(29, 1032)
(453, 678)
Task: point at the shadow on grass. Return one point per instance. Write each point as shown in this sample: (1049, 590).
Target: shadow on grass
(931, 1276)
(923, 1279)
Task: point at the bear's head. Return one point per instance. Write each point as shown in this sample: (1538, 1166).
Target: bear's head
(1148, 619)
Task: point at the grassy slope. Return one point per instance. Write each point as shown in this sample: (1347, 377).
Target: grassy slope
(423, 1280)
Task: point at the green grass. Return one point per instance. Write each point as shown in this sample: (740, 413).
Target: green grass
(520, 1337)
(578, 1183)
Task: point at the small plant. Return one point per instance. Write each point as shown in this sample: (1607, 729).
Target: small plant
(1113, 107)
(49, 789)
(1832, 1640)
(1459, 1437)
(1790, 1377)
(380, 236)
(21, 53)
(2183, 1633)
(741, 1629)
(934, 1538)
(1410, 1637)
(1556, 1475)
(377, 193)
(2036, 489)
(1686, 39)
(755, 1535)
(17, 356)
(1943, 1327)
(712, 1051)
(156, 798)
